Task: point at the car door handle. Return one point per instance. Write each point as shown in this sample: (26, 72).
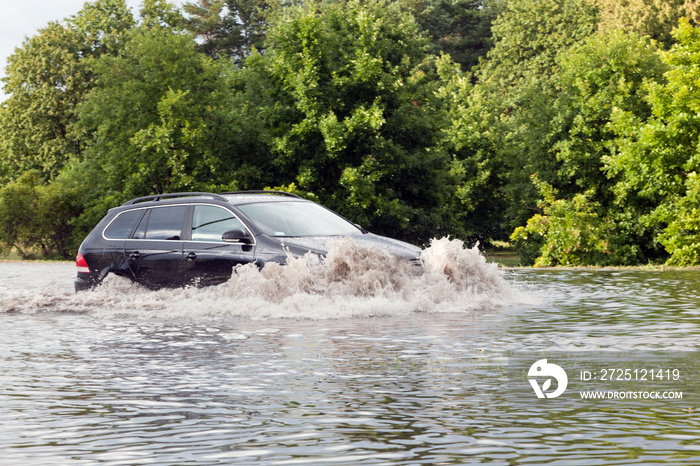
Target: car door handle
(191, 256)
(135, 255)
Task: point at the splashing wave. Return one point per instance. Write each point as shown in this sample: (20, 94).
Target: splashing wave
(352, 281)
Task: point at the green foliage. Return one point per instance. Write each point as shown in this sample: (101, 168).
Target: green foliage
(173, 150)
(477, 202)
(459, 28)
(357, 92)
(228, 28)
(348, 103)
(204, 21)
(569, 232)
(246, 18)
(566, 139)
(37, 219)
(681, 237)
(657, 154)
(605, 73)
(657, 158)
(512, 102)
(652, 18)
(155, 118)
(160, 14)
(47, 77)
(529, 34)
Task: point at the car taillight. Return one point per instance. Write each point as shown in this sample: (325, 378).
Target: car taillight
(82, 264)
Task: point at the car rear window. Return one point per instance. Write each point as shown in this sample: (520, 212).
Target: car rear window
(121, 226)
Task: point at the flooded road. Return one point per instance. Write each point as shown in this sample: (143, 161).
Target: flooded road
(414, 373)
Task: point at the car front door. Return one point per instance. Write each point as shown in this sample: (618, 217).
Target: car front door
(207, 258)
(154, 253)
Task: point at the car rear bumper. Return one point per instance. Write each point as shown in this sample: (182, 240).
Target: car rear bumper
(82, 284)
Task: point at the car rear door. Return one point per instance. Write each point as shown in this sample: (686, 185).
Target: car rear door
(154, 253)
(113, 238)
(207, 259)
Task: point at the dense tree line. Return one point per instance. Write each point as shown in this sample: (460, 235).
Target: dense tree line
(567, 127)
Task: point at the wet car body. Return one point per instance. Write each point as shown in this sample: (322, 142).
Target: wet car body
(185, 239)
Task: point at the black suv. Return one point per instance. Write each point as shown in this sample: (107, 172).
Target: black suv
(180, 239)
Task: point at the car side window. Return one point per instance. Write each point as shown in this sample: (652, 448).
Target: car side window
(121, 226)
(162, 223)
(210, 222)
(140, 232)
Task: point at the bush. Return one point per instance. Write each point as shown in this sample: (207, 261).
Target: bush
(36, 218)
(568, 232)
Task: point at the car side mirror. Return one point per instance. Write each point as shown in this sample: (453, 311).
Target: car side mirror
(236, 236)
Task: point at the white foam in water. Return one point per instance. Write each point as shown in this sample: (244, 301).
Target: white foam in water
(352, 281)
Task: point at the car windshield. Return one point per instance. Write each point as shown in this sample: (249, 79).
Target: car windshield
(291, 218)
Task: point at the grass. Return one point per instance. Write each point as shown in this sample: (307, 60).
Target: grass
(15, 256)
(507, 257)
(12, 256)
(503, 257)
(503, 254)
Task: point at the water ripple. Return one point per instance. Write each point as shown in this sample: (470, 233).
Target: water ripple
(417, 388)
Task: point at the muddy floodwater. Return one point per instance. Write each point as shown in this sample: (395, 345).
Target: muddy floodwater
(356, 361)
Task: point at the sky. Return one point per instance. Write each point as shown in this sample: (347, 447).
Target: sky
(20, 19)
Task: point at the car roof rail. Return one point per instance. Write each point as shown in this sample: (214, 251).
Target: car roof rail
(266, 191)
(158, 197)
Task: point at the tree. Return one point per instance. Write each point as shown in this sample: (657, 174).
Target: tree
(47, 77)
(160, 14)
(459, 28)
(511, 103)
(478, 201)
(657, 157)
(603, 75)
(37, 219)
(157, 119)
(567, 232)
(228, 28)
(653, 18)
(204, 20)
(248, 16)
(355, 116)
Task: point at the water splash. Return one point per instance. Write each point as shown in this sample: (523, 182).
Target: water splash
(352, 281)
